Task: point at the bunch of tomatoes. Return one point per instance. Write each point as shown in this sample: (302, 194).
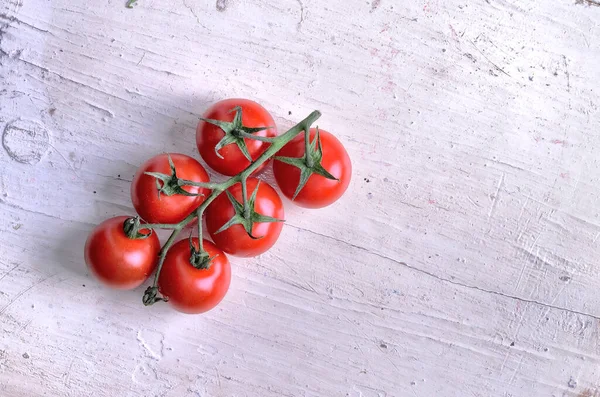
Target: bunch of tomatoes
(244, 214)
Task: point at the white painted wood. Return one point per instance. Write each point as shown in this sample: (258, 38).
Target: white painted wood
(463, 260)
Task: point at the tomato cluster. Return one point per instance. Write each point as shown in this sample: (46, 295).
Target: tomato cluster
(244, 215)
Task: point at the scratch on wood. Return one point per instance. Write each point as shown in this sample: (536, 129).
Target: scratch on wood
(194, 14)
(294, 284)
(492, 63)
(514, 374)
(68, 373)
(16, 298)
(301, 14)
(532, 258)
(495, 198)
(567, 72)
(8, 272)
(521, 214)
(24, 327)
(473, 202)
(560, 290)
(520, 276)
(218, 376)
(66, 161)
(142, 58)
(106, 112)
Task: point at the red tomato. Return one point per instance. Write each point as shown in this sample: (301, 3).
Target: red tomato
(192, 290)
(209, 135)
(235, 239)
(167, 209)
(319, 191)
(118, 261)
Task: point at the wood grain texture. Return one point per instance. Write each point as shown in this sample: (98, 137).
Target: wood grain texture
(463, 260)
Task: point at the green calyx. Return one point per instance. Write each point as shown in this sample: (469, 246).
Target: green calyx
(310, 163)
(198, 257)
(131, 228)
(151, 296)
(130, 3)
(245, 214)
(236, 132)
(169, 185)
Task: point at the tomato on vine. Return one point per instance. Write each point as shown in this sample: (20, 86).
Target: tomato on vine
(313, 174)
(193, 283)
(246, 227)
(233, 133)
(120, 260)
(158, 190)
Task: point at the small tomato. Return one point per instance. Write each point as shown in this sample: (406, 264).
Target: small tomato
(318, 191)
(117, 260)
(266, 211)
(153, 207)
(230, 159)
(192, 290)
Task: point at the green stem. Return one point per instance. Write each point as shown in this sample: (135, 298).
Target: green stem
(199, 216)
(245, 198)
(207, 185)
(307, 157)
(177, 228)
(257, 137)
(159, 226)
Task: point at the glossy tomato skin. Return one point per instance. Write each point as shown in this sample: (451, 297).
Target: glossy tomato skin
(115, 259)
(235, 240)
(319, 191)
(192, 290)
(208, 135)
(167, 209)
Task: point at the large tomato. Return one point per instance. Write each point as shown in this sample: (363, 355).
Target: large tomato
(155, 208)
(318, 191)
(192, 290)
(235, 239)
(232, 160)
(117, 260)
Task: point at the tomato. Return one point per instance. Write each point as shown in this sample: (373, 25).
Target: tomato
(155, 208)
(267, 208)
(232, 160)
(318, 191)
(118, 261)
(192, 290)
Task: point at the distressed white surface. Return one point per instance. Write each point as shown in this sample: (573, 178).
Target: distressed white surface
(463, 260)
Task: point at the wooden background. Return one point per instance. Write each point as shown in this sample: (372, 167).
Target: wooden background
(463, 260)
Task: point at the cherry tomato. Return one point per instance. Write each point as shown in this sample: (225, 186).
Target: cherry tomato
(209, 135)
(117, 260)
(319, 191)
(235, 240)
(192, 290)
(155, 208)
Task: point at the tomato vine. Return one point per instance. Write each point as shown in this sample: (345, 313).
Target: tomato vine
(243, 214)
(151, 295)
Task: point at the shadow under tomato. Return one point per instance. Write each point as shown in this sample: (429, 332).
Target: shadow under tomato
(69, 252)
